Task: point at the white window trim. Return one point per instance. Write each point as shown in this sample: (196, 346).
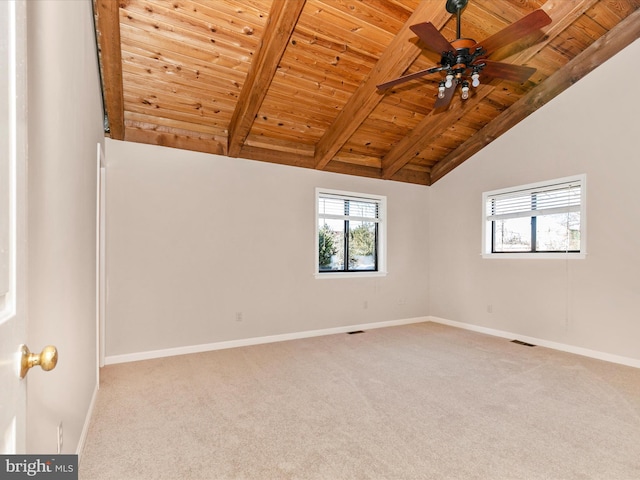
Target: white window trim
(382, 236)
(486, 229)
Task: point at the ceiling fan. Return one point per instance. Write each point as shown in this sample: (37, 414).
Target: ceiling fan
(464, 59)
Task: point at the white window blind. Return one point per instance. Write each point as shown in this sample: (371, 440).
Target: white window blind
(344, 207)
(564, 197)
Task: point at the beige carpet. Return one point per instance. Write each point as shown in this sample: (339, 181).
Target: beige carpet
(422, 401)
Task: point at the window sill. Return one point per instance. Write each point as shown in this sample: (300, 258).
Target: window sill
(322, 276)
(537, 256)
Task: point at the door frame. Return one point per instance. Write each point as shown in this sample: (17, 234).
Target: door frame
(13, 317)
(101, 276)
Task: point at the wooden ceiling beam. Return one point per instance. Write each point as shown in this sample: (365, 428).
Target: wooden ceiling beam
(353, 169)
(281, 23)
(108, 25)
(297, 159)
(619, 37)
(563, 14)
(412, 176)
(399, 56)
(165, 139)
(342, 168)
(277, 156)
(427, 131)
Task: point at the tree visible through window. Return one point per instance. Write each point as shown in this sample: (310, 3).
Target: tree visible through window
(349, 238)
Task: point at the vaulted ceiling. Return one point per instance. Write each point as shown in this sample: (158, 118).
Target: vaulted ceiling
(295, 82)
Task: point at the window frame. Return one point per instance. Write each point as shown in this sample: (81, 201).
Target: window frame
(381, 235)
(488, 230)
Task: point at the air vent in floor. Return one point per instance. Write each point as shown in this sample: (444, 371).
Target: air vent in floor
(520, 342)
(355, 331)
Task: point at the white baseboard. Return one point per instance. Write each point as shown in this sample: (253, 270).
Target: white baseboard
(87, 422)
(631, 362)
(170, 352)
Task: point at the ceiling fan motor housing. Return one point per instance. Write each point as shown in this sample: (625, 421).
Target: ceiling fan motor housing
(463, 57)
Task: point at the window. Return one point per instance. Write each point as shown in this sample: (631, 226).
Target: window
(350, 235)
(538, 220)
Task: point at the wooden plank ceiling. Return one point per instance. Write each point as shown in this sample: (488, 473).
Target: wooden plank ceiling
(294, 81)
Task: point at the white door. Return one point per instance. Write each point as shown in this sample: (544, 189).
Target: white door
(12, 223)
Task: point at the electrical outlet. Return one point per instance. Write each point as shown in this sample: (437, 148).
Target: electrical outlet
(238, 316)
(60, 438)
(489, 308)
(365, 305)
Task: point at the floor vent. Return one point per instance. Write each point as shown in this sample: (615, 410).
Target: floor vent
(355, 331)
(520, 342)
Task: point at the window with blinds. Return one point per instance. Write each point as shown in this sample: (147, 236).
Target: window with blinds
(350, 232)
(542, 218)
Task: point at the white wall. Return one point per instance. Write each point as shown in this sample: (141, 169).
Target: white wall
(591, 128)
(192, 239)
(189, 242)
(65, 124)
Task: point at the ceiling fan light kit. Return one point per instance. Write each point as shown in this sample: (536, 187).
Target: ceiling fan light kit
(463, 59)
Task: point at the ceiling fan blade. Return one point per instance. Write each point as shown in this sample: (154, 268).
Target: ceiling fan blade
(448, 95)
(526, 25)
(411, 76)
(507, 71)
(431, 37)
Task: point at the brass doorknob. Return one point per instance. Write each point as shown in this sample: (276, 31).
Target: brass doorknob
(47, 359)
